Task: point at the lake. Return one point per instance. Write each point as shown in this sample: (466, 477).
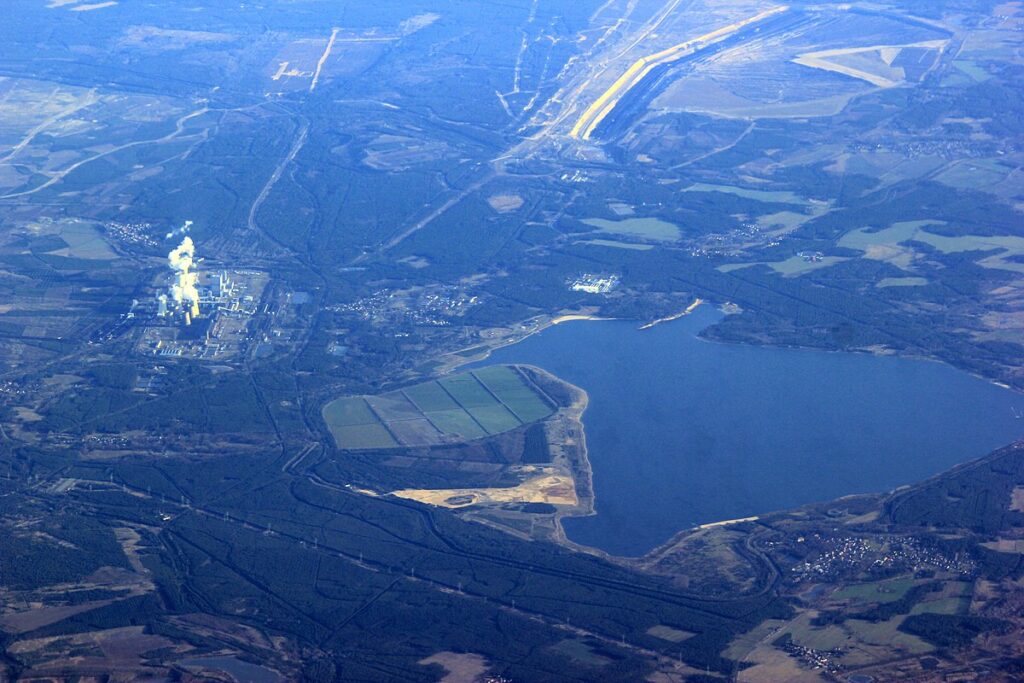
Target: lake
(682, 431)
(243, 671)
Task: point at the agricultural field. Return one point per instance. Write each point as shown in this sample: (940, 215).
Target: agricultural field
(72, 238)
(902, 282)
(890, 245)
(454, 409)
(879, 591)
(791, 267)
(615, 244)
(652, 229)
(766, 196)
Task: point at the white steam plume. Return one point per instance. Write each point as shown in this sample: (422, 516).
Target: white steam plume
(180, 231)
(181, 260)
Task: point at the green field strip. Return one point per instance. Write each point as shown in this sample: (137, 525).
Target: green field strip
(474, 398)
(495, 418)
(887, 590)
(466, 406)
(363, 436)
(498, 378)
(960, 605)
(535, 388)
(344, 412)
(456, 422)
(429, 397)
(529, 409)
(393, 406)
(415, 432)
(468, 391)
(509, 387)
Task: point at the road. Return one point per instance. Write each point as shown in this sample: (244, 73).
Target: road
(179, 128)
(300, 140)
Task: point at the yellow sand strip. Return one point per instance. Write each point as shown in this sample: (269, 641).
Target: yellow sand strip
(727, 522)
(575, 316)
(323, 59)
(604, 104)
(675, 316)
(555, 489)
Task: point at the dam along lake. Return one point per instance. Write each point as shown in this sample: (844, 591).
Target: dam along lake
(682, 431)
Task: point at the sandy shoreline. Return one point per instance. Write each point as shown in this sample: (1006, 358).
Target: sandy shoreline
(675, 316)
(569, 317)
(583, 473)
(539, 324)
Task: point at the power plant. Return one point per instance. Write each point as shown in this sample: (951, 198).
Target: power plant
(200, 314)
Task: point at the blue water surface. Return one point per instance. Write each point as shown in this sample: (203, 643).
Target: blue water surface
(682, 431)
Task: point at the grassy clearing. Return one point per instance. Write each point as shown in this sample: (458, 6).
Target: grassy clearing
(902, 282)
(495, 418)
(798, 265)
(853, 633)
(501, 380)
(766, 196)
(975, 174)
(415, 431)
(645, 228)
(76, 239)
(579, 651)
(886, 634)
(787, 221)
(457, 423)
(744, 643)
(393, 406)
(827, 638)
(672, 635)
(888, 245)
(794, 266)
(890, 590)
(373, 435)
(942, 606)
(430, 397)
(508, 386)
(972, 69)
(729, 267)
(468, 392)
(618, 245)
(85, 242)
(344, 412)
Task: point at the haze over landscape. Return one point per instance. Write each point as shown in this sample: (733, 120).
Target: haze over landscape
(604, 340)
